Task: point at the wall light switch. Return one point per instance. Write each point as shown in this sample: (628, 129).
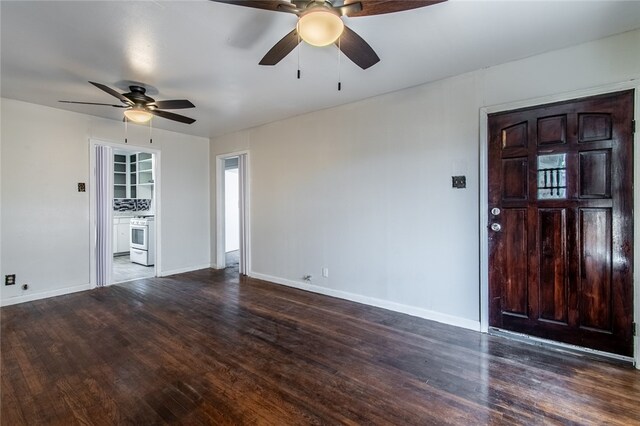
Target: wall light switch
(81, 187)
(325, 272)
(10, 279)
(459, 182)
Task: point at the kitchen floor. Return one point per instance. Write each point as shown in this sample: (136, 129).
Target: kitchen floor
(232, 258)
(125, 270)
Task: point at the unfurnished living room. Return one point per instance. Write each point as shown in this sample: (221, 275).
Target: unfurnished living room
(285, 212)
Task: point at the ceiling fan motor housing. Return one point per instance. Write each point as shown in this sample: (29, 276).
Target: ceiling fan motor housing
(138, 97)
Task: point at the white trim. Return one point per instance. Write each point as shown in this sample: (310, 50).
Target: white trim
(242, 188)
(484, 222)
(372, 301)
(484, 206)
(183, 270)
(220, 261)
(93, 142)
(45, 294)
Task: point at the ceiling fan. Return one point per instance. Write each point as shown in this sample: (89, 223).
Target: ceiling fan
(139, 107)
(320, 24)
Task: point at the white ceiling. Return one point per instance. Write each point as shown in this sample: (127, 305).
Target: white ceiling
(209, 52)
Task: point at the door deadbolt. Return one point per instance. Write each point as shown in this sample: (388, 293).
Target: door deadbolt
(496, 227)
(495, 211)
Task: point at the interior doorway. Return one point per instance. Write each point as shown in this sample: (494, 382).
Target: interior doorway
(232, 224)
(125, 208)
(231, 212)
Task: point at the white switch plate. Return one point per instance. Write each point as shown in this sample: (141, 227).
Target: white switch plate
(325, 272)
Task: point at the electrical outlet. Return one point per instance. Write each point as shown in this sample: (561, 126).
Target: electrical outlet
(10, 279)
(325, 272)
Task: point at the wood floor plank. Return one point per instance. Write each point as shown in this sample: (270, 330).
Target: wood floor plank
(210, 347)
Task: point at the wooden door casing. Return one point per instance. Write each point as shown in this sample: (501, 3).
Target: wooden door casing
(561, 268)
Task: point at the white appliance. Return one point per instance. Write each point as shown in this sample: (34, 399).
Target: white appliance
(143, 248)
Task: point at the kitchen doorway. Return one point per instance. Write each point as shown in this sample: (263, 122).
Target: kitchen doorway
(123, 213)
(232, 227)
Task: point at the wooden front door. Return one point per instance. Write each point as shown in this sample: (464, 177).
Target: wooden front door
(560, 222)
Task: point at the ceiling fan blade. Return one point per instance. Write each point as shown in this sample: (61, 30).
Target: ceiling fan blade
(274, 5)
(112, 92)
(281, 48)
(93, 103)
(173, 104)
(172, 116)
(349, 9)
(355, 48)
(378, 7)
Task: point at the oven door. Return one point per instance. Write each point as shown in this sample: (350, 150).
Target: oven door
(139, 237)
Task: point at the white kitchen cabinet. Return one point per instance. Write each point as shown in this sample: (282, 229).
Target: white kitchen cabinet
(120, 184)
(121, 243)
(141, 175)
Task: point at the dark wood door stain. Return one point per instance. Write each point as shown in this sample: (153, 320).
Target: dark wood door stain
(208, 347)
(560, 266)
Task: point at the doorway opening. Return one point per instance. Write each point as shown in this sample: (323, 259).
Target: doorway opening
(231, 213)
(125, 207)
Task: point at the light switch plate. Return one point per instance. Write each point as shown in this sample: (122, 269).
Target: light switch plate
(459, 182)
(81, 187)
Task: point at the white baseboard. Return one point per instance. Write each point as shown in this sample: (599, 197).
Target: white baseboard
(43, 295)
(183, 270)
(372, 301)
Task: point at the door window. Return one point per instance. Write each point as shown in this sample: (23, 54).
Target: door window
(552, 177)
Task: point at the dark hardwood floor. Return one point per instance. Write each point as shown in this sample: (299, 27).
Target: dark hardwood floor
(207, 348)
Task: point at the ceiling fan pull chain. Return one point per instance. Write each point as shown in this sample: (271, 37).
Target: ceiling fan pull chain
(339, 63)
(299, 47)
(150, 129)
(126, 130)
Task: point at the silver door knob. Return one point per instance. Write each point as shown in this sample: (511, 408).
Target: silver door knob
(496, 227)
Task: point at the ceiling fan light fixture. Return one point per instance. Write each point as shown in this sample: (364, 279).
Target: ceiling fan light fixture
(138, 114)
(320, 27)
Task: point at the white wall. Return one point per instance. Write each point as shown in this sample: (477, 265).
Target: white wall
(44, 220)
(365, 189)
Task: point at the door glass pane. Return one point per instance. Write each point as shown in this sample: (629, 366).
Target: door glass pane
(552, 177)
(119, 179)
(119, 191)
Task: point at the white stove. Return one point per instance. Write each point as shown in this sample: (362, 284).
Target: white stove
(142, 220)
(142, 235)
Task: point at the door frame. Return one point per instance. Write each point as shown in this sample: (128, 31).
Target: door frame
(93, 142)
(244, 187)
(484, 190)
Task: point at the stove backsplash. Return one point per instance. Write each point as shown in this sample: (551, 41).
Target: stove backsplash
(131, 205)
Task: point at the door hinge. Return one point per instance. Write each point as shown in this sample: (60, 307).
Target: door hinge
(633, 126)
(634, 328)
